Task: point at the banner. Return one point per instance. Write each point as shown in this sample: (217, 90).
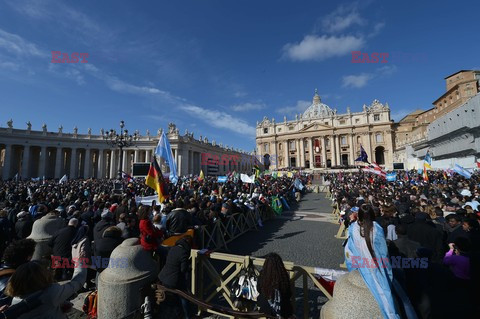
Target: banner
(164, 152)
(462, 171)
(146, 200)
(221, 179)
(247, 179)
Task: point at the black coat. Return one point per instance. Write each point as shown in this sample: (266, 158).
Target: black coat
(61, 242)
(178, 221)
(427, 236)
(23, 227)
(174, 273)
(100, 228)
(104, 246)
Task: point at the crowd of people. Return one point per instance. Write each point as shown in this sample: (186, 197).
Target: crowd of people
(435, 222)
(92, 218)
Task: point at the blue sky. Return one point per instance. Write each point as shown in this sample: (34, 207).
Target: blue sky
(215, 67)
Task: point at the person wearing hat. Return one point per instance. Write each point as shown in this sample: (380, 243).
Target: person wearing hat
(23, 226)
(424, 232)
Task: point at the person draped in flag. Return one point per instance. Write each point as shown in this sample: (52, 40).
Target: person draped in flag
(156, 181)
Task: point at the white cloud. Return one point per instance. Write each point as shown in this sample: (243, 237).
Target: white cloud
(220, 119)
(376, 29)
(319, 48)
(299, 107)
(342, 18)
(240, 94)
(356, 81)
(387, 69)
(248, 107)
(18, 46)
(9, 66)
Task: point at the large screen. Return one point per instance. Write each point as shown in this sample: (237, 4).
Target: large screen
(140, 169)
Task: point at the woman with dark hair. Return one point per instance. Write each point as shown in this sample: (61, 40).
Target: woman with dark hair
(366, 250)
(274, 288)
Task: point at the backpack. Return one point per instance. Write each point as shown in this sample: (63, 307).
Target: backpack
(90, 305)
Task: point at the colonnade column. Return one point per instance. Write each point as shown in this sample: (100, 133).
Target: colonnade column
(7, 162)
(337, 149)
(113, 167)
(43, 159)
(333, 150)
(136, 158)
(123, 165)
(148, 156)
(297, 153)
(25, 161)
(87, 161)
(324, 152)
(58, 162)
(310, 147)
(352, 151)
(302, 153)
(73, 163)
(100, 163)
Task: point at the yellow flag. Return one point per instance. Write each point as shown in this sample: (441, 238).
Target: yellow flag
(201, 176)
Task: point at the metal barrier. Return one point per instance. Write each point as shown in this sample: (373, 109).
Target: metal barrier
(209, 282)
(221, 234)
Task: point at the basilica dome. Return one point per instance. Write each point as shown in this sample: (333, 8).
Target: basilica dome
(317, 109)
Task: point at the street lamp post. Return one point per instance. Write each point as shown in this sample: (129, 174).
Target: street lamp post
(120, 140)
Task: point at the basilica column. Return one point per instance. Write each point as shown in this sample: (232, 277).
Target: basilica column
(113, 167)
(43, 159)
(297, 152)
(352, 153)
(302, 152)
(7, 162)
(26, 161)
(73, 164)
(337, 148)
(58, 162)
(369, 147)
(286, 162)
(333, 151)
(324, 152)
(101, 164)
(88, 160)
(137, 156)
(310, 147)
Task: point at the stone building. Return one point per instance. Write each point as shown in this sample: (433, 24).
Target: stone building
(411, 131)
(320, 138)
(30, 153)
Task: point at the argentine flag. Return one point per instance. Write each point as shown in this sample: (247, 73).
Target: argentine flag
(164, 152)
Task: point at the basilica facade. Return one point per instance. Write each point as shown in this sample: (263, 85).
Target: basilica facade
(320, 138)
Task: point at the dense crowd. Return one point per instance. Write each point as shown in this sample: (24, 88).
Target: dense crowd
(92, 217)
(435, 221)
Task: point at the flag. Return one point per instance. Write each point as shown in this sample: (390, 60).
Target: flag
(363, 156)
(298, 184)
(462, 171)
(478, 164)
(164, 152)
(247, 179)
(127, 177)
(445, 174)
(374, 168)
(277, 205)
(406, 177)
(201, 177)
(155, 181)
(257, 170)
(63, 179)
(427, 162)
(221, 179)
(391, 177)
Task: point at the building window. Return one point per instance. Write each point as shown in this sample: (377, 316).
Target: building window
(379, 137)
(327, 142)
(359, 139)
(292, 146)
(343, 140)
(279, 129)
(290, 128)
(265, 147)
(376, 117)
(357, 121)
(305, 125)
(279, 146)
(326, 123)
(265, 130)
(342, 122)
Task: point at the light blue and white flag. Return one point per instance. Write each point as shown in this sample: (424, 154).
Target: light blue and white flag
(64, 179)
(462, 171)
(391, 177)
(222, 179)
(298, 185)
(377, 279)
(164, 152)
